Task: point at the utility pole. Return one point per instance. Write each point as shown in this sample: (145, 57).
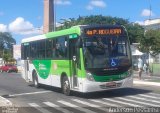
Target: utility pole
(150, 9)
(49, 22)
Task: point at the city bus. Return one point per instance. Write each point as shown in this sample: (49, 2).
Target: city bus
(74, 59)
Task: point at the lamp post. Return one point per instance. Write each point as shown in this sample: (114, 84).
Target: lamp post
(150, 9)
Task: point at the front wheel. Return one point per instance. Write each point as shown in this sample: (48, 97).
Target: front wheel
(65, 86)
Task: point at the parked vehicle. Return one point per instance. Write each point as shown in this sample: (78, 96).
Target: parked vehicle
(8, 68)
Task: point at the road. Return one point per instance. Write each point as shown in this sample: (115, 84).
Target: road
(45, 99)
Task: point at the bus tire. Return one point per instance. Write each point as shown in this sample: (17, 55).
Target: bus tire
(35, 80)
(65, 86)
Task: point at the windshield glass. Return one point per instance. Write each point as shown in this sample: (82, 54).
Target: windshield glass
(106, 51)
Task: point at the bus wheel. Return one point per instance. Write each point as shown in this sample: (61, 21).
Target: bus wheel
(65, 86)
(35, 80)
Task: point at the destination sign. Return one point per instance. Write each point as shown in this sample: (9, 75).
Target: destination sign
(106, 31)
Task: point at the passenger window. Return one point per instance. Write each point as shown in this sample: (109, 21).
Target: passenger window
(61, 48)
(49, 48)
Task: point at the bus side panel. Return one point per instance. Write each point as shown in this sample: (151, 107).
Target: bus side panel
(58, 68)
(49, 71)
(81, 72)
(42, 68)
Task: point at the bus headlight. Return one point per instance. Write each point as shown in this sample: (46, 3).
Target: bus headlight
(89, 76)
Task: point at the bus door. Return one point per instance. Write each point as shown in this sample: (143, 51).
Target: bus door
(26, 68)
(26, 62)
(73, 57)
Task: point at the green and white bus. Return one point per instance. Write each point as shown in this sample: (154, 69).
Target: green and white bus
(73, 59)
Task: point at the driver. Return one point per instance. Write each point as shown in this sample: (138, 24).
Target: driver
(100, 43)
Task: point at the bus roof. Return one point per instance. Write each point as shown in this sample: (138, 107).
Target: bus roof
(72, 30)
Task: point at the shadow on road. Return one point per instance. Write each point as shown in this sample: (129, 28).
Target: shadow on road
(101, 94)
(112, 93)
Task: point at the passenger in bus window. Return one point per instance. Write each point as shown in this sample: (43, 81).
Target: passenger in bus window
(101, 46)
(59, 52)
(53, 52)
(114, 46)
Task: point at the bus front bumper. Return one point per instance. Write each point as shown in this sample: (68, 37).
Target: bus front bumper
(92, 86)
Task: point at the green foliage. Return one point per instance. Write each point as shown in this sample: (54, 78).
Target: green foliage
(6, 57)
(151, 42)
(93, 20)
(135, 31)
(6, 45)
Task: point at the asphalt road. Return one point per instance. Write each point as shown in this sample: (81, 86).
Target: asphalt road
(28, 99)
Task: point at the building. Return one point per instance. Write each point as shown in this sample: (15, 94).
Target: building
(17, 55)
(48, 24)
(152, 24)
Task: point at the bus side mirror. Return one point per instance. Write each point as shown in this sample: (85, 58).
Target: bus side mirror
(79, 43)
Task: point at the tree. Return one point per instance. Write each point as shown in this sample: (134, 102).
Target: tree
(135, 32)
(6, 45)
(150, 43)
(7, 57)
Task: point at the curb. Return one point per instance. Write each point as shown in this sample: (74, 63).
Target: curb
(4, 102)
(145, 83)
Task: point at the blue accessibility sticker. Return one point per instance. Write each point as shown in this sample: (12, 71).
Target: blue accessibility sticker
(113, 62)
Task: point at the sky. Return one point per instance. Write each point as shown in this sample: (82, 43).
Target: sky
(24, 18)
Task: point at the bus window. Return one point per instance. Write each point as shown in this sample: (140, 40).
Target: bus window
(26, 52)
(113, 47)
(41, 49)
(22, 51)
(33, 50)
(48, 48)
(61, 48)
(53, 48)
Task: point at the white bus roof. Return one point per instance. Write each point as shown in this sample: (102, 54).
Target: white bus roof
(34, 38)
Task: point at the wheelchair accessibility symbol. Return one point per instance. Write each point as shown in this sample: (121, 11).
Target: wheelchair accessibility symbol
(113, 63)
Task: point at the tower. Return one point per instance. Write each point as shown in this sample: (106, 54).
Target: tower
(48, 22)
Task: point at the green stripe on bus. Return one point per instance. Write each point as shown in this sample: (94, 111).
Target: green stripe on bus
(45, 68)
(72, 30)
(60, 66)
(110, 77)
(42, 67)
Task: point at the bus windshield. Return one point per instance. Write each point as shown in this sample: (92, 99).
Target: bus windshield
(106, 51)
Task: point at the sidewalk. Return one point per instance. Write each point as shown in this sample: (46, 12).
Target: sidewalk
(4, 102)
(153, 80)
